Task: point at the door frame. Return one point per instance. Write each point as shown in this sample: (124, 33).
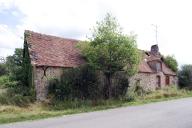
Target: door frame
(158, 81)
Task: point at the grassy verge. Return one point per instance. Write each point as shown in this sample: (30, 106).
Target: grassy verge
(35, 111)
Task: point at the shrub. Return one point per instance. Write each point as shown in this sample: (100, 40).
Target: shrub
(17, 100)
(6, 82)
(80, 83)
(185, 76)
(15, 93)
(86, 84)
(120, 85)
(171, 62)
(3, 80)
(3, 69)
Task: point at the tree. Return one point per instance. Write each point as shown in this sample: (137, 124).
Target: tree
(171, 62)
(109, 50)
(14, 64)
(3, 69)
(185, 76)
(19, 69)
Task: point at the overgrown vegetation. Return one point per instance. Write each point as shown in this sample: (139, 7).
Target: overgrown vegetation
(185, 77)
(76, 83)
(82, 83)
(58, 108)
(3, 69)
(112, 57)
(14, 85)
(109, 50)
(171, 62)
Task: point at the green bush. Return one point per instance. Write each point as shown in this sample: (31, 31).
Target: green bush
(171, 62)
(6, 82)
(17, 100)
(76, 83)
(15, 93)
(3, 69)
(185, 77)
(83, 83)
(3, 81)
(120, 85)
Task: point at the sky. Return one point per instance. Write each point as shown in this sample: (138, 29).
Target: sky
(75, 18)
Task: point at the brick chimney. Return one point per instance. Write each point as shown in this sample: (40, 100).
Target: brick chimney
(155, 49)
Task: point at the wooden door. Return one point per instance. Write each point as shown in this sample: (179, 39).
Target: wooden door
(158, 80)
(167, 80)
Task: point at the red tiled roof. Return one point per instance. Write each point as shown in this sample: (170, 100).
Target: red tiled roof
(143, 66)
(167, 70)
(46, 50)
(147, 57)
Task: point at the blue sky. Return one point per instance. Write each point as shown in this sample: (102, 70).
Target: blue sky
(11, 17)
(74, 18)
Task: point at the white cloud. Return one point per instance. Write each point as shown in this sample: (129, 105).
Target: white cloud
(74, 18)
(8, 38)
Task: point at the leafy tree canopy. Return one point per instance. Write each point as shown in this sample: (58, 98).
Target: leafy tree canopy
(185, 76)
(14, 64)
(109, 49)
(171, 62)
(3, 69)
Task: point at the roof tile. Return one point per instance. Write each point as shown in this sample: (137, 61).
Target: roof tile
(46, 50)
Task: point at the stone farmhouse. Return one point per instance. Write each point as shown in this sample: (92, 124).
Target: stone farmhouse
(49, 55)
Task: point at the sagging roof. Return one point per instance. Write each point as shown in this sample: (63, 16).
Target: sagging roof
(148, 57)
(47, 50)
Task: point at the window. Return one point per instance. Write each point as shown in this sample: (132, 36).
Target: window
(158, 66)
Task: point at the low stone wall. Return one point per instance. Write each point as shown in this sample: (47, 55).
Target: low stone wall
(42, 75)
(146, 80)
(149, 80)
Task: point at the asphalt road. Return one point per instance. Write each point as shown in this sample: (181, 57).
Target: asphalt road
(168, 114)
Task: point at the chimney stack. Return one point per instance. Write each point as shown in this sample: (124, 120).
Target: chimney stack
(155, 49)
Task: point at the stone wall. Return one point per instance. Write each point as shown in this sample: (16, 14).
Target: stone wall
(41, 76)
(149, 80)
(173, 80)
(146, 80)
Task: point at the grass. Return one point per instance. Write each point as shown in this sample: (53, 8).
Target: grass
(35, 111)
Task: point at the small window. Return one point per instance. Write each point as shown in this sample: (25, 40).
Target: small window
(158, 66)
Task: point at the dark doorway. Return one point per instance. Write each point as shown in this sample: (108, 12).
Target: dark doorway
(167, 80)
(158, 80)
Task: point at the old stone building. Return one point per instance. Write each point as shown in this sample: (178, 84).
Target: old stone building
(49, 55)
(153, 72)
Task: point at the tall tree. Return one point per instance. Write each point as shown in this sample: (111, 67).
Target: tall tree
(109, 50)
(14, 64)
(19, 69)
(185, 76)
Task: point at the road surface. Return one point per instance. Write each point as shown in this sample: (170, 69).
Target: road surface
(168, 114)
